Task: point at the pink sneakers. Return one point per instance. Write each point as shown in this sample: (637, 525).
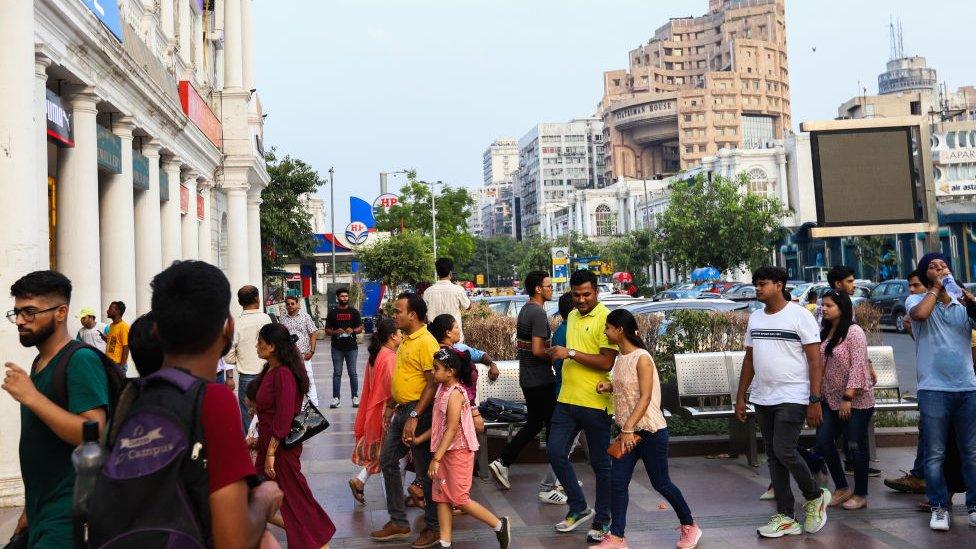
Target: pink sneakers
(690, 535)
(611, 541)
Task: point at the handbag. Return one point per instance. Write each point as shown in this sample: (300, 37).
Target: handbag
(503, 411)
(617, 450)
(306, 424)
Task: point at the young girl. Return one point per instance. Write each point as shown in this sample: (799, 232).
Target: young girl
(848, 398)
(453, 442)
(375, 394)
(643, 432)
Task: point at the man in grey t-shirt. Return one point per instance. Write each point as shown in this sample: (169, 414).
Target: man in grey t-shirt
(536, 378)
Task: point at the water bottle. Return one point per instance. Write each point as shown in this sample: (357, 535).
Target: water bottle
(87, 459)
(951, 287)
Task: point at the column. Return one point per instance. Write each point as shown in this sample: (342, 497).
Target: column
(149, 251)
(189, 223)
(782, 182)
(233, 65)
(198, 45)
(185, 31)
(169, 213)
(205, 232)
(166, 20)
(255, 272)
(21, 122)
(247, 46)
(40, 231)
(237, 258)
(117, 223)
(78, 252)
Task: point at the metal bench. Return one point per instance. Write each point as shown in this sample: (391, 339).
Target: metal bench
(887, 393)
(505, 387)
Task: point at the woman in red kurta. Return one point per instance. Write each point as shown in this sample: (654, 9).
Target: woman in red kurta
(374, 397)
(280, 390)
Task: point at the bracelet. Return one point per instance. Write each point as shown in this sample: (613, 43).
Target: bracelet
(436, 459)
(627, 432)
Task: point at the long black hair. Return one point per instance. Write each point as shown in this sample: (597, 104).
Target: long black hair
(624, 319)
(440, 326)
(286, 352)
(843, 302)
(385, 329)
(459, 361)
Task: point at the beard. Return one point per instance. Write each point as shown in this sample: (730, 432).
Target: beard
(34, 338)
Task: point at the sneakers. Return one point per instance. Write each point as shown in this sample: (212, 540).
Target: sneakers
(504, 535)
(597, 532)
(972, 517)
(909, 484)
(355, 402)
(553, 497)
(690, 534)
(500, 472)
(816, 512)
(611, 541)
(335, 403)
(940, 519)
(390, 532)
(872, 472)
(573, 520)
(779, 526)
(768, 495)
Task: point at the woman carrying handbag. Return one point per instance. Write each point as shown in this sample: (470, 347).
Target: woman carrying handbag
(643, 432)
(281, 386)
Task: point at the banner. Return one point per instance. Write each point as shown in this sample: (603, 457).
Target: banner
(140, 171)
(109, 150)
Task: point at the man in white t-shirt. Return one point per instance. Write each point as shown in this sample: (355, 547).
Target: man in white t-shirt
(782, 364)
(444, 296)
(92, 331)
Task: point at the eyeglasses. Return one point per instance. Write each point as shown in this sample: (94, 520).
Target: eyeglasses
(29, 314)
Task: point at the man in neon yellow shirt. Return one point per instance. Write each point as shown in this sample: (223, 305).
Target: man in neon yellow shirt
(587, 360)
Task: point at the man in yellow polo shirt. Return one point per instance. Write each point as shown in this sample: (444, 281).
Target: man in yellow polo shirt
(408, 413)
(587, 360)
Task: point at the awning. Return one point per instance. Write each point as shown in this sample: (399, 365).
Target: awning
(956, 212)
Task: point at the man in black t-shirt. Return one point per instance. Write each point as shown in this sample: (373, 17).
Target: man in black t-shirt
(343, 323)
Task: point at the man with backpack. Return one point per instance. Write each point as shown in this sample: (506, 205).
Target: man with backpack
(57, 396)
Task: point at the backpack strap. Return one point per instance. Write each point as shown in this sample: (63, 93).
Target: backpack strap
(59, 383)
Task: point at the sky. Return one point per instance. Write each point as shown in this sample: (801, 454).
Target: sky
(366, 86)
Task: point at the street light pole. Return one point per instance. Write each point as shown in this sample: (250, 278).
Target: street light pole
(332, 217)
(433, 216)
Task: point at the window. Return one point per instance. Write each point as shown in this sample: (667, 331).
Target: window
(759, 183)
(606, 221)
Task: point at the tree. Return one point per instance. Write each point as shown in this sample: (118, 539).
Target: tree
(405, 257)
(414, 213)
(502, 252)
(715, 222)
(536, 255)
(286, 226)
(632, 253)
(875, 252)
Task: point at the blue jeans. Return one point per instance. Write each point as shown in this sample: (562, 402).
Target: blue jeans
(567, 421)
(939, 410)
(350, 358)
(918, 468)
(653, 451)
(855, 431)
(243, 380)
(221, 377)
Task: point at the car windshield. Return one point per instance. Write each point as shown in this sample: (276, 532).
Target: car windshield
(798, 291)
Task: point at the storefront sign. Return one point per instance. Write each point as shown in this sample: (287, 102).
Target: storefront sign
(356, 233)
(107, 11)
(961, 187)
(140, 171)
(198, 111)
(109, 150)
(184, 199)
(58, 121)
(957, 156)
(163, 186)
(201, 210)
(385, 202)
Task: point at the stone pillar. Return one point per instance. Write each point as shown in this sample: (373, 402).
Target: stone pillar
(167, 21)
(169, 213)
(247, 46)
(205, 232)
(78, 251)
(40, 231)
(233, 64)
(237, 240)
(198, 45)
(149, 250)
(190, 239)
(781, 181)
(117, 222)
(255, 273)
(185, 30)
(22, 123)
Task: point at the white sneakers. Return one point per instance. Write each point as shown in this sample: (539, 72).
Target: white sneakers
(972, 518)
(355, 402)
(335, 403)
(500, 472)
(940, 519)
(553, 497)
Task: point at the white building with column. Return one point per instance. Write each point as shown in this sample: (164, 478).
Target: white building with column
(132, 137)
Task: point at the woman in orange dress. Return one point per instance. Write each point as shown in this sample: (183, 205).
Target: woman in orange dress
(375, 394)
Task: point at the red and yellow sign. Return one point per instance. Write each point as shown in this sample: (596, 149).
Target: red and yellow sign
(198, 111)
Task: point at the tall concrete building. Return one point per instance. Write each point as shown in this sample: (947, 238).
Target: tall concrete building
(699, 84)
(495, 209)
(555, 159)
(500, 160)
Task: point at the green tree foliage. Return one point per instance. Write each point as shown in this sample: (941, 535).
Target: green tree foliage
(404, 258)
(632, 253)
(536, 255)
(718, 223)
(874, 251)
(286, 227)
(499, 252)
(413, 214)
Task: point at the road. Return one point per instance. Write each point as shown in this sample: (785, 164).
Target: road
(904, 349)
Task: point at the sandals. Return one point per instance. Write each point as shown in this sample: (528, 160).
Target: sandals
(357, 486)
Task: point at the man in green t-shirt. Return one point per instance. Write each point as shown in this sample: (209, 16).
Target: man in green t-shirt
(49, 433)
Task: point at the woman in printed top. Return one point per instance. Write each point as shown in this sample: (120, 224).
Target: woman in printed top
(847, 398)
(453, 442)
(447, 332)
(375, 394)
(643, 432)
(279, 398)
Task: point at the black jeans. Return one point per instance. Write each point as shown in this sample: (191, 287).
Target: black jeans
(855, 431)
(780, 425)
(539, 403)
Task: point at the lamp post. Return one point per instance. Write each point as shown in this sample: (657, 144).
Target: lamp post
(332, 217)
(433, 215)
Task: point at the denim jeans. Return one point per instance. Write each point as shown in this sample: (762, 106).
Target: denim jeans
(243, 380)
(221, 377)
(393, 450)
(918, 468)
(350, 358)
(567, 421)
(855, 432)
(939, 410)
(653, 451)
(780, 425)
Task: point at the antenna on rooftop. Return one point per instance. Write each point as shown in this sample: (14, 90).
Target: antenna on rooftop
(897, 46)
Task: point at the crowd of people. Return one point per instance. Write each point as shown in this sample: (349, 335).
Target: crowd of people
(417, 407)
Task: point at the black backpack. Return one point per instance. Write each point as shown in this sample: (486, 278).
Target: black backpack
(503, 411)
(153, 489)
(59, 381)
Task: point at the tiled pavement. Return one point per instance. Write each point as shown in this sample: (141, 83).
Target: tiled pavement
(723, 495)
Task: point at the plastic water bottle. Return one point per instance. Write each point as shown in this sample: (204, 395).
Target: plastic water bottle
(951, 287)
(87, 459)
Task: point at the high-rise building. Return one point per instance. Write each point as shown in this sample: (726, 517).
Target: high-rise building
(554, 160)
(700, 84)
(500, 159)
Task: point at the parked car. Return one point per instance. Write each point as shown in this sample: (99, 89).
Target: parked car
(510, 305)
(740, 292)
(666, 308)
(889, 298)
(861, 292)
(680, 291)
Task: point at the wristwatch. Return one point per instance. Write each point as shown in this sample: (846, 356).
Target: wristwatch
(814, 399)
(414, 414)
(572, 353)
